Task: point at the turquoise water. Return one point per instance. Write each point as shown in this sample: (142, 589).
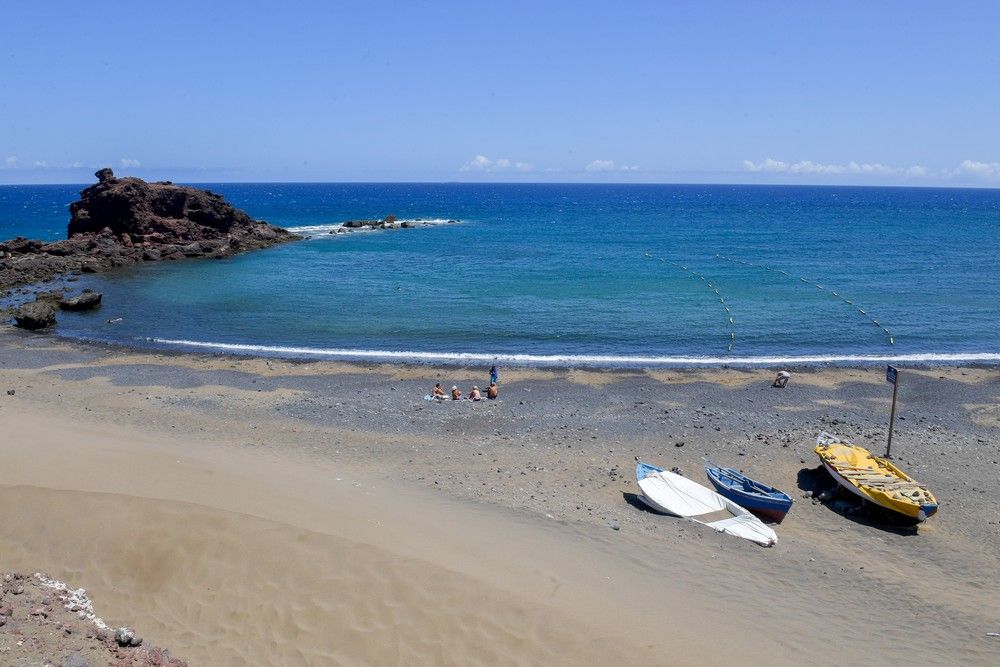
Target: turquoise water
(599, 274)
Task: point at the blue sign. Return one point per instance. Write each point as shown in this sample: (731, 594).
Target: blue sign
(890, 374)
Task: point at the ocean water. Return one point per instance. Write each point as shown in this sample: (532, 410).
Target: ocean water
(607, 275)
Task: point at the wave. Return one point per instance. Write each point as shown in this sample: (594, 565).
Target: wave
(321, 230)
(569, 360)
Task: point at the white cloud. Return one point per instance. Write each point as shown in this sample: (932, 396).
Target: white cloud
(42, 164)
(603, 166)
(772, 166)
(10, 161)
(483, 163)
(976, 168)
(129, 163)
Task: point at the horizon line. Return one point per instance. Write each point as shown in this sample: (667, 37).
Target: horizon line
(460, 182)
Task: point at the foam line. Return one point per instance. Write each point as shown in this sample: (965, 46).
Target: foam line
(580, 359)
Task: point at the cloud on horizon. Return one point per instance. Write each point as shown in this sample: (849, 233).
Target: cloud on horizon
(772, 166)
(485, 164)
(10, 161)
(980, 169)
(130, 163)
(604, 166)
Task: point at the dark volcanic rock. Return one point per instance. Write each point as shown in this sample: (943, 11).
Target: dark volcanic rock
(35, 315)
(137, 212)
(86, 301)
(122, 221)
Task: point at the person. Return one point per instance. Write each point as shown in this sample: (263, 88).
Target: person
(491, 391)
(494, 375)
(438, 393)
(781, 380)
(456, 395)
(474, 395)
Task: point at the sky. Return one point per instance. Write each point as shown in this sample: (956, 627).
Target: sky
(870, 93)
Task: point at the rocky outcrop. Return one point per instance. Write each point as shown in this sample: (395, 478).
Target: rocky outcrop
(88, 300)
(122, 221)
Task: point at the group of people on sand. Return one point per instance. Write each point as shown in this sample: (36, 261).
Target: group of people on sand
(492, 391)
(474, 394)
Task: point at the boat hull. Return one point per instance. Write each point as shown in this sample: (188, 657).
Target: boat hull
(875, 479)
(764, 507)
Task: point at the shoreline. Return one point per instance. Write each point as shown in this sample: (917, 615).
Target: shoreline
(250, 483)
(609, 363)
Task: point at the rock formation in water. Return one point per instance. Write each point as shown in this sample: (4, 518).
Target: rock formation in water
(123, 221)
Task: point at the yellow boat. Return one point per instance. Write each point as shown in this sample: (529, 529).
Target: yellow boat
(875, 479)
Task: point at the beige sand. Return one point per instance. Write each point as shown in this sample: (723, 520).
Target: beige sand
(233, 534)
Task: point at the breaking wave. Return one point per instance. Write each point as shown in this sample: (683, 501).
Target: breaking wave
(572, 360)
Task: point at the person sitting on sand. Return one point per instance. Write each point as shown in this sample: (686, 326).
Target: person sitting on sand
(781, 380)
(474, 395)
(456, 395)
(491, 391)
(438, 393)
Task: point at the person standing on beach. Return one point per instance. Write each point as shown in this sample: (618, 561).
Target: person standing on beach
(494, 375)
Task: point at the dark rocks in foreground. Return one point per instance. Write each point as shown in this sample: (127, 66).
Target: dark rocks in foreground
(123, 221)
(45, 622)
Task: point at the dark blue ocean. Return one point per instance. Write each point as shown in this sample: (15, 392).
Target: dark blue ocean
(572, 274)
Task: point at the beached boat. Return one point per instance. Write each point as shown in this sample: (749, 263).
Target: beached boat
(875, 479)
(671, 493)
(763, 500)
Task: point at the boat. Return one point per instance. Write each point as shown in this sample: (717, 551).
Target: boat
(874, 478)
(670, 493)
(764, 501)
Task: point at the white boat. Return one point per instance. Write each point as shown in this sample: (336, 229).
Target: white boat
(671, 493)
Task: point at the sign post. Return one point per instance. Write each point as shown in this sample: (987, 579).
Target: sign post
(892, 377)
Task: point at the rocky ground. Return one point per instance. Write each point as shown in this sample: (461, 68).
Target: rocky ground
(44, 622)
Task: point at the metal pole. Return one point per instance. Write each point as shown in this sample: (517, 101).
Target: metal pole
(892, 416)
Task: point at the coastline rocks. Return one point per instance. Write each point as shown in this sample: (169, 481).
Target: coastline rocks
(35, 315)
(86, 301)
(388, 222)
(123, 221)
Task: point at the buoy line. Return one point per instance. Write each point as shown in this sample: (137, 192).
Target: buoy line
(712, 286)
(836, 295)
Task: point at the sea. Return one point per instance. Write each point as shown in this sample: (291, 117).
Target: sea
(570, 275)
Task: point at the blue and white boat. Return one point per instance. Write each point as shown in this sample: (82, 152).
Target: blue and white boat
(763, 500)
(670, 493)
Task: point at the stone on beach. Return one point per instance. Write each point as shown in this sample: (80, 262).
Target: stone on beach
(35, 315)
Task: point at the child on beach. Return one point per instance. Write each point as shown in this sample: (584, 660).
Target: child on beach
(475, 395)
(491, 391)
(456, 395)
(438, 393)
(494, 375)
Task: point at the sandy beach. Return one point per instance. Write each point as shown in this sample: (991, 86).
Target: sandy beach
(258, 511)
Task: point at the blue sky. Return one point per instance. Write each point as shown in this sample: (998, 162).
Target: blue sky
(735, 92)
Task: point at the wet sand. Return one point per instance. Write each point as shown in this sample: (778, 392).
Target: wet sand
(246, 510)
